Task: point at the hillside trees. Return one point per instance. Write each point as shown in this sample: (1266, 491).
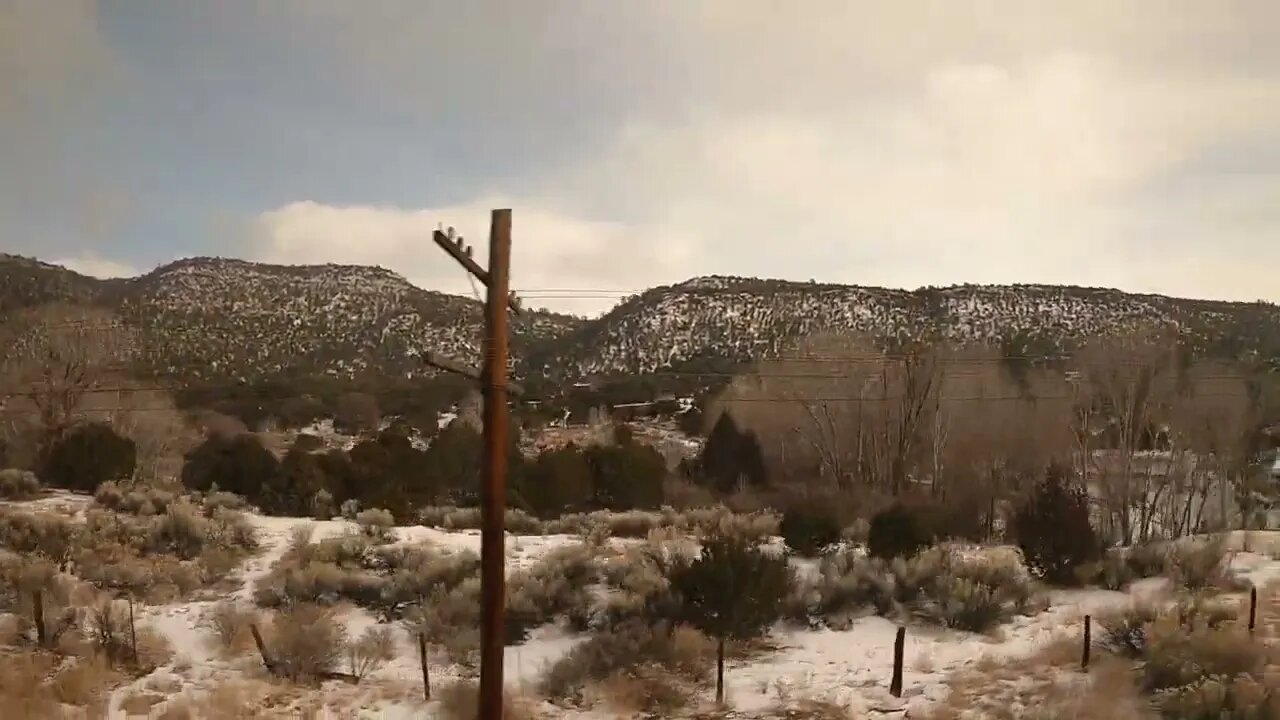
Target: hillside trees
(626, 474)
(86, 455)
(356, 413)
(731, 459)
(389, 472)
(238, 464)
(558, 481)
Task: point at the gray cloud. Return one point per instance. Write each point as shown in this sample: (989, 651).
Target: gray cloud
(901, 144)
(55, 65)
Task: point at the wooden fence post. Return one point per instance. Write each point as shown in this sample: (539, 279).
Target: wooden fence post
(899, 648)
(1253, 609)
(1088, 642)
(422, 656)
(133, 633)
(262, 648)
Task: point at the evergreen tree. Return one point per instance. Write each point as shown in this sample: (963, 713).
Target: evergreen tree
(627, 476)
(87, 455)
(734, 591)
(239, 464)
(1054, 531)
(731, 458)
(558, 482)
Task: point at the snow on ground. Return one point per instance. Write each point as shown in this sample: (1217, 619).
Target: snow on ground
(850, 667)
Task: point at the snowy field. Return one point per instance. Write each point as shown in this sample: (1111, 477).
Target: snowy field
(850, 668)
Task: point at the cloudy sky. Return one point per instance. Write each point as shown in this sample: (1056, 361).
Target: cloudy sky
(1130, 144)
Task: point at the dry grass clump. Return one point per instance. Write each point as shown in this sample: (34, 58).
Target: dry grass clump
(628, 523)
(33, 684)
(637, 666)
(368, 654)
(557, 587)
(164, 556)
(1189, 661)
(244, 699)
(460, 700)
(18, 484)
(1197, 565)
(1043, 688)
(388, 580)
(306, 643)
(229, 624)
(1194, 564)
(943, 585)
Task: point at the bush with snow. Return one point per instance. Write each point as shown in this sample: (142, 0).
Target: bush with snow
(18, 484)
(376, 524)
(306, 643)
(661, 657)
(946, 585)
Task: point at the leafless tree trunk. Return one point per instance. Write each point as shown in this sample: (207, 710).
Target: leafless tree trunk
(57, 354)
(1132, 380)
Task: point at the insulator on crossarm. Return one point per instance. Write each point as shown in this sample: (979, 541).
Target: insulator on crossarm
(468, 251)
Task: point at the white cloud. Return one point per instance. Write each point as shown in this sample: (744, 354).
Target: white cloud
(98, 267)
(551, 251)
(897, 144)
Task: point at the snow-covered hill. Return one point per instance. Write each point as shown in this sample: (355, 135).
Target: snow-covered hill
(210, 318)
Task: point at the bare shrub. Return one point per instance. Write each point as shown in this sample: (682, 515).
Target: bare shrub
(461, 701)
(1125, 631)
(978, 593)
(133, 498)
(942, 584)
(84, 682)
(1199, 564)
(368, 654)
(306, 643)
(1177, 657)
(376, 524)
(163, 556)
(24, 690)
(230, 623)
(631, 649)
(558, 585)
(638, 580)
(388, 580)
(18, 484)
(47, 535)
(108, 630)
(1240, 697)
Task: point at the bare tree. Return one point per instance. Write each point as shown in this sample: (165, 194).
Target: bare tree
(1003, 432)
(809, 410)
(58, 354)
(859, 413)
(148, 416)
(910, 380)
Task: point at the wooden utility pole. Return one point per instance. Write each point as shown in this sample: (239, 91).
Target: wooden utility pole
(493, 377)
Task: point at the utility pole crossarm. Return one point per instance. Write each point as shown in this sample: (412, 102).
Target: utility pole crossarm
(454, 248)
(441, 362)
